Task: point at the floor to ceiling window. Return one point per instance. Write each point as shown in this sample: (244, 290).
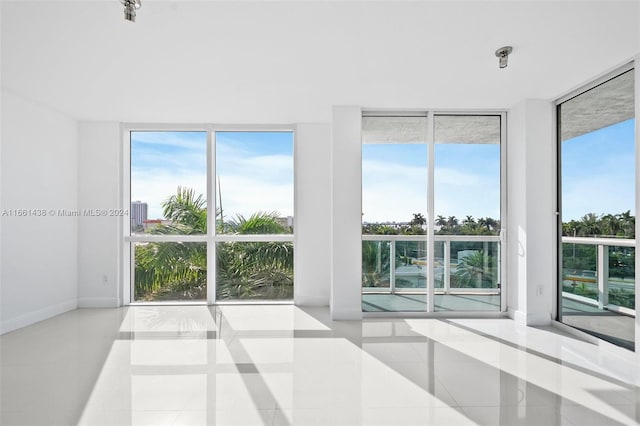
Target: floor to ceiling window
(431, 200)
(394, 212)
(168, 216)
(254, 216)
(467, 212)
(177, 249)
(596, 137)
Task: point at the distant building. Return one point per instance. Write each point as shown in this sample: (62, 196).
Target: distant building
(287, 221)
(138, 214)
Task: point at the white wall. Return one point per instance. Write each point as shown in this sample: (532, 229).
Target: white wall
(98, 190)
(39, 173)
(346, 213)
(313, 215)
(531, 208)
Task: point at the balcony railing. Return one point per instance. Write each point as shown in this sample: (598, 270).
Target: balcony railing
(600, 272)
(398, 264)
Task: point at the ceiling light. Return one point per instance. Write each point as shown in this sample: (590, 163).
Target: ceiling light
(130, 7)
(503, 54)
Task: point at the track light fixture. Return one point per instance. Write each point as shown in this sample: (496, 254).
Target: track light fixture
(503, 55)
(130, 7)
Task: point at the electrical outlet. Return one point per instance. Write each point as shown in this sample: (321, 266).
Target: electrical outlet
(105, 279)
(539, 290)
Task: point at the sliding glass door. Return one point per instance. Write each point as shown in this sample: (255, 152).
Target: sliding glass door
(596, 137)
(467, 213)
(431, 197)
(394, 213)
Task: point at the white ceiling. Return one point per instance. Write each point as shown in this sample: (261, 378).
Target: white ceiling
(281, 62)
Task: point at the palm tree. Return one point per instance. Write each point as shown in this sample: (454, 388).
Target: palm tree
(589, 225)
(441, 220)
(452, 222)
(418, 219)
(493, 225)
(476, 270)
(258, 270)
(187, 210)
(175, 269)
(628, 224)
(169, 270)
(258, 223)
(610, 225)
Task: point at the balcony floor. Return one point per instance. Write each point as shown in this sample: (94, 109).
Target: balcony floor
(611, 326)
(418, 302)
(605, 324)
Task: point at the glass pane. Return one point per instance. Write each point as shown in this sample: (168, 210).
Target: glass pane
(579, 283)
(394, 203)
(168, 182)
(394, 189)
(376, 266)
(440, 265)
(470, 277)
(622, 277)
(411, 265)
(467, 202)
(169, 271)
(597, 148)
(254, 182)
(254, 270)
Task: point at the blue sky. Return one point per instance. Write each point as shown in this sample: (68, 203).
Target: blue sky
(598, 172)
(255, 169)
(256, 174)
(394, 181)
(160, 161)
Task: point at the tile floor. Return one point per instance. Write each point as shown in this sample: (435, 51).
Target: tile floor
(285, 365)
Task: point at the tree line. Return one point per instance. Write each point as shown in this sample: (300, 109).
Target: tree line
(622, 225)
(443, 226)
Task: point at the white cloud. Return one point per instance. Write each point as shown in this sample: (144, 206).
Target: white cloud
(171, 139)
(248, 183)
(393, 192)
(156, 186)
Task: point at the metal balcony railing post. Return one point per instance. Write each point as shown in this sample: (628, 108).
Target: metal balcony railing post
(602, 272)
(392, 266)
(446, 267)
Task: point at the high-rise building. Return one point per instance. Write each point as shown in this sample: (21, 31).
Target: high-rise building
(138, 214)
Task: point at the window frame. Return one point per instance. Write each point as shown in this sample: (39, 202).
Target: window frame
(602, 79)
(211, 238)
(430, 237)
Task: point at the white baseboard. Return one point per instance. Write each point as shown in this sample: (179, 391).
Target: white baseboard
(517, 316)
(36, 316)
(533, 319)
(98, 302)
(346, 315)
